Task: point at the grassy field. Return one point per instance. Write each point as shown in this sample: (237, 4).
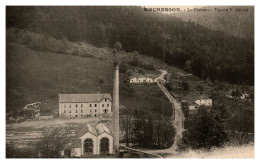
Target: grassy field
(40, 76)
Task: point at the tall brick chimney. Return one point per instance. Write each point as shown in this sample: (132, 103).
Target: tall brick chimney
(116, 107)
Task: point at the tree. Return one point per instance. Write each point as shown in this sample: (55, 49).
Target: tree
(117, 46)
(131, 91)
(188, 66)
(125, 119)
(185, 109)
(53, 143)
(10, 151)
(207, 131)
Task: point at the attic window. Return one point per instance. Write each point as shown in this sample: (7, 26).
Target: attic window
(105, 100)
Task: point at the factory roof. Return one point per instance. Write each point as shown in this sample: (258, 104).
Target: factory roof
(97, 130)
(81, 98)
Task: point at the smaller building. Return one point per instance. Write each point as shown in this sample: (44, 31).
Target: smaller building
(199, 98)
(196, 99)
(92, 140)
(242, 96)
(140, 78)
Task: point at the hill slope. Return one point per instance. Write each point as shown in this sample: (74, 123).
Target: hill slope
(187, 45)
(34, 76)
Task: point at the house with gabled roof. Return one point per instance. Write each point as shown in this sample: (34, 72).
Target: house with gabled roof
(93, 140)
(198, 98)
(195, 99)
(84, 105)
(140, 78)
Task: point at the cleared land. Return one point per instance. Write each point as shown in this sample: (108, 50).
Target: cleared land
(40, 76)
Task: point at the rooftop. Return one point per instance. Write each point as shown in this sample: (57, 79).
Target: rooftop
(97, 130)
(81, 98)
(195, 95)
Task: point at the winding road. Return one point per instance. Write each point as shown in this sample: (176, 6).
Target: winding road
(177, 112)
(177, 117)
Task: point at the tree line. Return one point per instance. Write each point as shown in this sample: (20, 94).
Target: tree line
(187, 45)
(144, 129)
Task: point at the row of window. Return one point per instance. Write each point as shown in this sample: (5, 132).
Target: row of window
(88, 115)
(76, 111)
(90, 105)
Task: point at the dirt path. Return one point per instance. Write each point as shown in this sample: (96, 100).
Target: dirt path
(177, 114)
(177, 117)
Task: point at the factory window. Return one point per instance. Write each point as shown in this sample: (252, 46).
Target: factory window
(95, 105)
(107, 105)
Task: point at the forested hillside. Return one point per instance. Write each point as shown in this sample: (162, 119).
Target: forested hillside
(208, 54)
(235, 20)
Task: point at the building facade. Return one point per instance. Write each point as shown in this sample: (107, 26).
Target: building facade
(91, 141)
(138, 78)
(196, 99)
(84, 105)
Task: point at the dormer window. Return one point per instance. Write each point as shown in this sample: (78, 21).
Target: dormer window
(105, 100)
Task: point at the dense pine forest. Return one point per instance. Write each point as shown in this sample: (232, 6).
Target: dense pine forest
(213, 55)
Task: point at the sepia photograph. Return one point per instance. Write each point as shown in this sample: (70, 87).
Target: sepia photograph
(130, 82)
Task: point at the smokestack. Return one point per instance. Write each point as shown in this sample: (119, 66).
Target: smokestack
(116, 107)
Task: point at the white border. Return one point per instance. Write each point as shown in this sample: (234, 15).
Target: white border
(3, 3)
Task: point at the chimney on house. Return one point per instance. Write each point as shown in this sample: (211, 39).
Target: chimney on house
(115, 107)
